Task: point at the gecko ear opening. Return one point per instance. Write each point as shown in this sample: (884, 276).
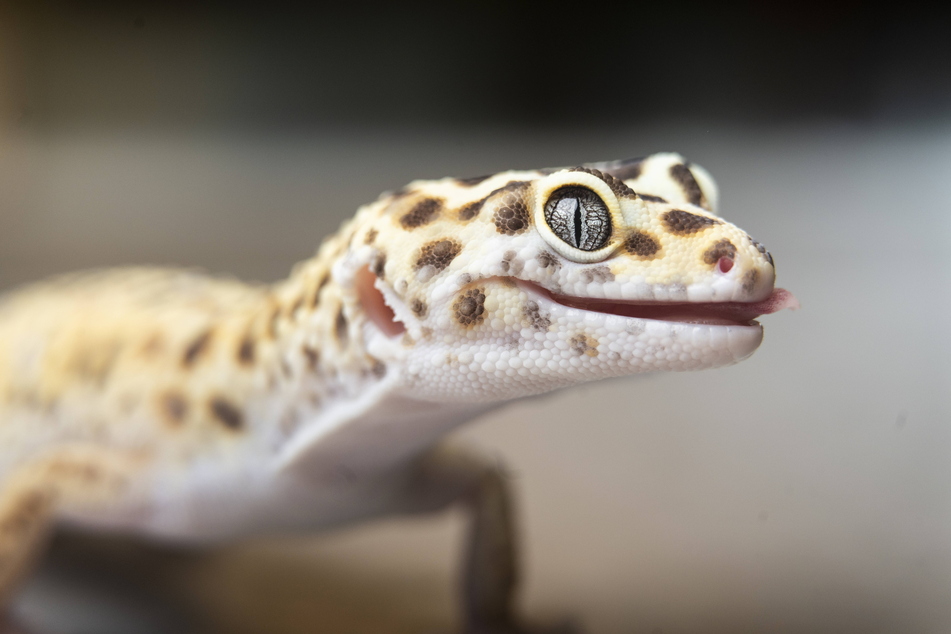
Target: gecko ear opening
(375, 306)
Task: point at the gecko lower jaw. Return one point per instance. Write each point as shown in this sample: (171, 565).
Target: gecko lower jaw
(704, 313)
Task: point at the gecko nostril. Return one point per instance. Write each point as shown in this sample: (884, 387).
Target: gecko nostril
(725, 264)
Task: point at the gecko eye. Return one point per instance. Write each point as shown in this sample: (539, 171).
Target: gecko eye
(578, 216)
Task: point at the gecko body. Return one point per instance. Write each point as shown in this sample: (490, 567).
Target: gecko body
(191, 408)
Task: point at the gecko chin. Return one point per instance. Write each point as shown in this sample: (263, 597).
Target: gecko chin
(737, 314)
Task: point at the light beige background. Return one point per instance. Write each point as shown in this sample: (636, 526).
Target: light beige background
(806, 489)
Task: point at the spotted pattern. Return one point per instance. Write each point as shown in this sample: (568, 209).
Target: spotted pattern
(273, 322)
(617, 186)
(599, 274)
(472, 181)
(512, 215)
(537, 321)
(470, 210)
(641, 244)
(548, 260)
(294, 307)
(173, 407)
(629, 169)
(475, 333)
(762, 249)
(691, 188)
(246, 350)
(419, 308)
(720, 249)
(378, 265)
(312, 356)
(340, 327)
(684, 223)
(320, 286)
(584, 345)
(438, 254)
(511, 264)
(423, 212)
(225, 412)
(750, 278)
(469, 307)
(197, 348)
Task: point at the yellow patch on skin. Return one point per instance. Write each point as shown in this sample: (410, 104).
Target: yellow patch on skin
(584, 344)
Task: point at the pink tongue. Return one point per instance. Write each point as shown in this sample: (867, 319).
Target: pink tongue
(721, 313)
(780, 299)
(739, 312)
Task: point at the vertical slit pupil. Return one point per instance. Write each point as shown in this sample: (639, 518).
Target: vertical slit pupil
(579, 217)
(578, 237)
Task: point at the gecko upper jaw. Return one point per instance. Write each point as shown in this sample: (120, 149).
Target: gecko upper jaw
(705, 313)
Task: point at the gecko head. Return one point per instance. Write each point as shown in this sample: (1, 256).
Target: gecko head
(525, 282)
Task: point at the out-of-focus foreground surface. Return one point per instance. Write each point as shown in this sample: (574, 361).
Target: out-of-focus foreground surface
(806, 489)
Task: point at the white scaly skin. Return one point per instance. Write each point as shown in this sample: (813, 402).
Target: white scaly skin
(185, 407)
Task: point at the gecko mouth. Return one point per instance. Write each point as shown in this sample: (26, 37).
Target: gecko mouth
(706, 313)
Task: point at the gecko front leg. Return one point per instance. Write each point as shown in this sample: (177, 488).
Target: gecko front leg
(71, 480)
(449, 474)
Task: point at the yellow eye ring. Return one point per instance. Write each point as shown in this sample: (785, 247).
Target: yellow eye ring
(578, 215)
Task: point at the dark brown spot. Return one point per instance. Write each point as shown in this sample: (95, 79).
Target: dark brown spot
(548, 260)
(762, 249)
(421, 213)
(511, 216)
(273, 321)
(320, 286)
(684, 223)
(691, 188)
(471, 210)
(313, 357)
(720, 249)
(584, 345)
(371, 236)
(651, 198)
(246, 350)
(599, 274)
(472, 181)
(438, 254)
(628, 169)
(617, 186)
(536, 320)
(378, 265)
(379, 369)
(419, 308)
(511, 264)
(641, 244)
(292, 310)
(197, 348)
(340, 327)
(174, 407)
(749, 281)
(470, 307)
(226, 413)
(512, 209)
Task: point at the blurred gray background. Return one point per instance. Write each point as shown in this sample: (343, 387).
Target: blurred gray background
(806, 489)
